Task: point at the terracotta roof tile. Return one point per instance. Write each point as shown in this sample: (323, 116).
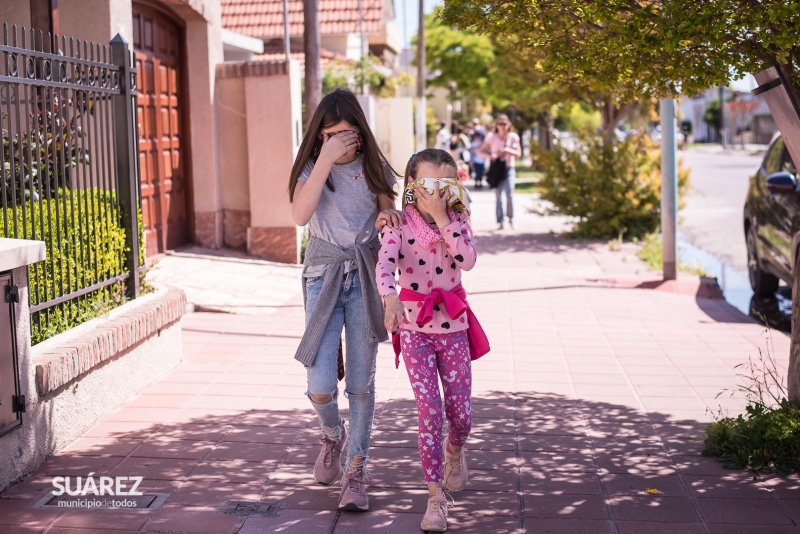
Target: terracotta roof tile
(263, 19)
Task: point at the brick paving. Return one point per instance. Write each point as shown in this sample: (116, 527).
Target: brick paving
(595, 390)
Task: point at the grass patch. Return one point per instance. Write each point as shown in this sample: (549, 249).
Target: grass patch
(527, 180)
(528, 187)
(767, 436)
(527, 172)
(651, 253)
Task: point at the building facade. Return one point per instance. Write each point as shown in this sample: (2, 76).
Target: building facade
(203, 123)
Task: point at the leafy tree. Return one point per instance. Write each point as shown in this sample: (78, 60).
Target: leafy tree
(632, 49)
(367, 72)
(612, 188)
(712, 115)
(577, 117)
(740, 115)
(626, 50)
(460, 56)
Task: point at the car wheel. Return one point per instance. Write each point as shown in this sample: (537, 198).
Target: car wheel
(762, 283)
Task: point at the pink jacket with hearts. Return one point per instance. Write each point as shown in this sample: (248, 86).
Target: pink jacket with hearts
(426, 259)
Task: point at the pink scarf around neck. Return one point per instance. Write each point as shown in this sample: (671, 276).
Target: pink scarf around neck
(426, 235)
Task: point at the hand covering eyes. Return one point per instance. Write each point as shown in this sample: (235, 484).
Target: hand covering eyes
(359, 139)
(458, 198)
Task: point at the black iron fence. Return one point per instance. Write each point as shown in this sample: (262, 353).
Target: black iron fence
(70, 172)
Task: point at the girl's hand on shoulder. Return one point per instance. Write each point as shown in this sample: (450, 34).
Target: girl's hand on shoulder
(389, 217)
(335, 147)
(395, 314)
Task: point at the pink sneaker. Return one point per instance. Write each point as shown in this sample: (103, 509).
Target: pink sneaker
(354, 493)
(455, 470)
(328, 466)
(435, 518)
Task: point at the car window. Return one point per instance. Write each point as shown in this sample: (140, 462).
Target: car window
(788, 164)
(772, 163)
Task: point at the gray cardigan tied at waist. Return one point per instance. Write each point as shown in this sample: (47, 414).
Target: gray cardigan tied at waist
(321, 252)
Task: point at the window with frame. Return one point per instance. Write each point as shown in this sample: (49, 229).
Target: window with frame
(773, 161)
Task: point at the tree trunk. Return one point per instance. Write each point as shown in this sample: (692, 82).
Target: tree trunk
(608, 119)
(793, 378)
(311, 49)
(545, 122)
(612, 114)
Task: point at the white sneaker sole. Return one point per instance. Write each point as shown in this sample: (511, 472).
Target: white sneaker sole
(433, 528)
(353, 507)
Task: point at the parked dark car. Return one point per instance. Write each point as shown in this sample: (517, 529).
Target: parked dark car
(772, 220)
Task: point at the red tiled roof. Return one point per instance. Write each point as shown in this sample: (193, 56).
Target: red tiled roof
(274, 51)
(263, 19)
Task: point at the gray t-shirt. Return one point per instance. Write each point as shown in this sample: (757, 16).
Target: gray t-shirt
(344, 217)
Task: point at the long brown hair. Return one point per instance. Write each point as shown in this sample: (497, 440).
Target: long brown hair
(435, 156)
(337, 106)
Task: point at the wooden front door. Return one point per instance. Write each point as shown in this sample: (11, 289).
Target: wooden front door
(158, 43)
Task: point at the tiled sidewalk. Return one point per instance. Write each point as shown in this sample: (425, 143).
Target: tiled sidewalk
(592, 394)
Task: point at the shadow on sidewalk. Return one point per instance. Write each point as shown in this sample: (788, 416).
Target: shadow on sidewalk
(501, 243)
(537, 461)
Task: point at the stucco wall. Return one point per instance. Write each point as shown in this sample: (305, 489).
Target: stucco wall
(96, 20)
(15, 12)
(232, 153)
(204, 51)
(258, 114)
(55, 419)
(394, 130)
(273, 130)
(231, 111)
(271, 154)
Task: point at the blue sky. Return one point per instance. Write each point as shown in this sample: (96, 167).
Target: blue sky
(407, 16)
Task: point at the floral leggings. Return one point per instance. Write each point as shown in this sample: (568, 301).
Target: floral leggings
(428, 356)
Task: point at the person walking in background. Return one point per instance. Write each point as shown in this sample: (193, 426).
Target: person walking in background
(475, 126)
(443, 137)
(460, 145)
(503, 145)
(339, 182)
(478, 162)
(435, 331)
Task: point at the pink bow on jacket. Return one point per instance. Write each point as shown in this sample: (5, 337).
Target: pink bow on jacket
(455, 303)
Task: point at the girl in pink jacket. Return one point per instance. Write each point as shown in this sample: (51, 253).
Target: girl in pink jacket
(433, 327)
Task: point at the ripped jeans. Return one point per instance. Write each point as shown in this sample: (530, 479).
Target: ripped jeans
(360, 355)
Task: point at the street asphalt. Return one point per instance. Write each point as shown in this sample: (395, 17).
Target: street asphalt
(712, 217)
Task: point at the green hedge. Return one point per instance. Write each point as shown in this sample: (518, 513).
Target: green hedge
(765, 438)
(612, 187)
(89, 249)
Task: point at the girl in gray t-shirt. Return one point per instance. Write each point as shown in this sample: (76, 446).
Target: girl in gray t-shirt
(340, 184)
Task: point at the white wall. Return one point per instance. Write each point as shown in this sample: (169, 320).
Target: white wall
(394, 129)
(348, 45)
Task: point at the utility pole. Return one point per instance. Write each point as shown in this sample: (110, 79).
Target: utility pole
(669, 189)
(312, 43)
(421, 104)
(722, 116)
(364, 48)
(286, 30)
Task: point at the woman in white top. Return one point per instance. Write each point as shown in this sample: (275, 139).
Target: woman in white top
(503, 143)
